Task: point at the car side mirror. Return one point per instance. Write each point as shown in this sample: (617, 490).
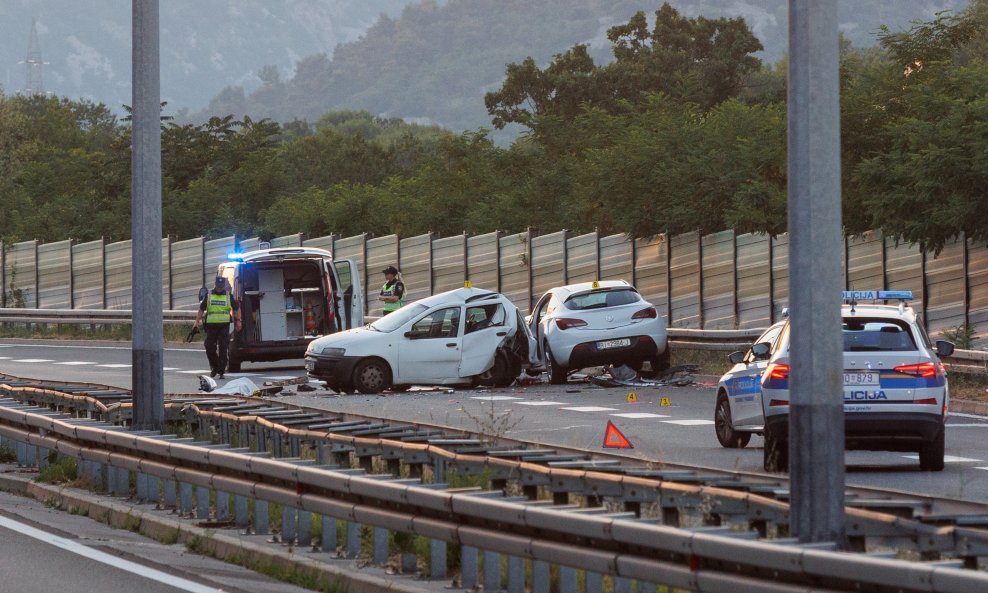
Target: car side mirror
(203, 293)
(761, 349)
(944, 348)
(735, 357)
(413, 334)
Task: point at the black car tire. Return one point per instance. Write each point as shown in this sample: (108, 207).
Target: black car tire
(932, 453)
(557, 374)
(776, 453)
(399, 388)
(371, 375)
(662, 362)
(499, 375)
(724, 426)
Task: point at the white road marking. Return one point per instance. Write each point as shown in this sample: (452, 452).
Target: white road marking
(543, 403)
(590, 409)
(688, 422)
(4, 358)
(540, 430)
(114, 366)
(494, 398)
(200, 372)
(241, 374)
(282, 377)
(950, 459)
(75, 347)
(972, 425)
(984, 468)
(170, 369)
(104, 558)
(640, 415)
(33, 360)
(75, 363)
(960, 415)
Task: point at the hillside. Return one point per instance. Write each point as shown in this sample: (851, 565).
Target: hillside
(435, 61)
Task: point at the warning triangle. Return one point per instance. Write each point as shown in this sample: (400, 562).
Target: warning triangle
(613, 439)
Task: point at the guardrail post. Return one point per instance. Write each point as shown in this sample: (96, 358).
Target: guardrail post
(168, 491)
(567, 578)
(185, 498)
(593, 582)
(21, 449)
(244, 431)
(438, 470)
(295, 447)
(468, 568)
(328, 534)
(121, 482)
(287, 525)
(516, 575)
(42, 457)
(352, 539)
(492, 571)
(202, 502)
(261, 517)
(98, 476)
(437, 559)
(276, 443)
(380, 545)
(154, 490)
(304, 528)
(540, 576)
(241, 516)
(222, 506)
(142, 487)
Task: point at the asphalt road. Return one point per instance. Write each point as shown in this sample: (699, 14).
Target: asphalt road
(82, 556)
(573, 416)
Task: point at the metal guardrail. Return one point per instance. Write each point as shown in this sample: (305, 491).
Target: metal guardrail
(86, 316)
(601, 539)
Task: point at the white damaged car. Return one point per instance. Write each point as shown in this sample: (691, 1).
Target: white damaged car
(467, 336)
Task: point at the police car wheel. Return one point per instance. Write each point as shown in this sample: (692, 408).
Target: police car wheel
(371, 375)
(931, 455)
(724, 426)
(776, 453)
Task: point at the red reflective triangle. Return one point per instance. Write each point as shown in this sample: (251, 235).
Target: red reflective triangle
(613, 439)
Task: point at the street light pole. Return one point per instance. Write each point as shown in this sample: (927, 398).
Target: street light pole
(816, 420)
(148, 372)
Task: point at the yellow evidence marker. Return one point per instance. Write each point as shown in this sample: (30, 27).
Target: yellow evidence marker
(595, 284)
(467, 284)
(632, 398)
(664, 402)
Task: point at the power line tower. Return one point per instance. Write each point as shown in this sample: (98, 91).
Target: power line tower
(34, 65)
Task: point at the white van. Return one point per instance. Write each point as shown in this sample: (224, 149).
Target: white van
(289, 296)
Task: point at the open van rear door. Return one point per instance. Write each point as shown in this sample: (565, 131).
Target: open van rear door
(351, 306)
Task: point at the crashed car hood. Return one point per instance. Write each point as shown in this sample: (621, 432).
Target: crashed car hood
(346, 338)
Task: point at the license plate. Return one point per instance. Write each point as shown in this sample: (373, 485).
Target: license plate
(861, 379)
(310, 365)
(608, 344)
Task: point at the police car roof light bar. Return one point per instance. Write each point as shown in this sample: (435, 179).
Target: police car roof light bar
(877, 295)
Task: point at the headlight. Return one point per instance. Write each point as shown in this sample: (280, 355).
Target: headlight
(333, 351)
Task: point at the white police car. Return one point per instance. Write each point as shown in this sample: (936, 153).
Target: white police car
(895, 388)
(738, 413)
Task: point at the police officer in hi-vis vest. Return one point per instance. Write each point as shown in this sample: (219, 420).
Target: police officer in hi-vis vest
(219, 307)
(393, 293)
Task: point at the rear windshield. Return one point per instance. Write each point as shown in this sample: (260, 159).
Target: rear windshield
(600, 299)
(871, 335)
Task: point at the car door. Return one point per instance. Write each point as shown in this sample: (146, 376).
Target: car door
(484, 329)
(536, 325)
(350, 294)
(431, 347)
(746, 388)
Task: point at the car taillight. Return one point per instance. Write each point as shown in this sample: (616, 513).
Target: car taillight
(929, 401)
(568, 322)
(778, 402)
(778, 371)
(649, 313)
(923, 369)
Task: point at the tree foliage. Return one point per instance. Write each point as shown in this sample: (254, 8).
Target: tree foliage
(683, 131)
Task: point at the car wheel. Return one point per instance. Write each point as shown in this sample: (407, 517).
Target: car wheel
(498, 375)
(931, 455)
(724, 426)
(662, 362)
(776, 453)
(557, 374)
(371, 375)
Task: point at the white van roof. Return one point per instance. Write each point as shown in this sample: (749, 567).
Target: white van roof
(282, 252)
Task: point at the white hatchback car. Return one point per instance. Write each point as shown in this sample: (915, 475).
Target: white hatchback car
(895, 391)
(597, 323)
(460, 337)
